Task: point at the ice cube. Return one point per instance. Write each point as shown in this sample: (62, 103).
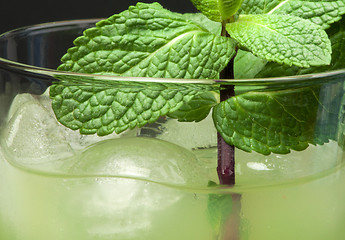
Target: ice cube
(124, 184)
(145, 158)
(32, 134)
(118, 208)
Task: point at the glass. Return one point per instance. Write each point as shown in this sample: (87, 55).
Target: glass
(153, 182)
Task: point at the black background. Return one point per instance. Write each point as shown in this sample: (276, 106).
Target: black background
(20, 13)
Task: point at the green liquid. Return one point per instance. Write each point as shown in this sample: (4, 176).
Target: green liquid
(37, 206)
(127, 187)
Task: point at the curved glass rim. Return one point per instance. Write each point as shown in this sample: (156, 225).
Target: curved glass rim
(55, 73)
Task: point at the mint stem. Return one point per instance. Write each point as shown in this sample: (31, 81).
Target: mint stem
(226, 155)
(226, 152)
(226, 163)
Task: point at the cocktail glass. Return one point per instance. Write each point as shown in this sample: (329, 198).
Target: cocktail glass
(154, 182)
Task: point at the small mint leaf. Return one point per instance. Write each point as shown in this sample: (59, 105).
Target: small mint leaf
(219, 208)
(106, 109)
(330, 113)
(149, 41)
(247, 65)
(200, 19)
(283, 39)
(196, 109)
(336, 35)
(341, 121)
(218, 10)
(273, 69)
(269, 122)
(257, 6)
(322, 13)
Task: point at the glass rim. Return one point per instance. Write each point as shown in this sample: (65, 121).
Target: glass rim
(53, 73)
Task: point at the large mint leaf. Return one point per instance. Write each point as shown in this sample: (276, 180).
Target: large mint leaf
(148, 40)
(319, 12)
(283, 39)
(218, 10)
(93, 108)
(269, 121)
(337, 37)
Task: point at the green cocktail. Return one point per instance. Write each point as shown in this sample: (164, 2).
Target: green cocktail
(158, 180)
(144, 188)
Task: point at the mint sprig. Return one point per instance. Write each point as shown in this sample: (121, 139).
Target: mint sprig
(149, 41)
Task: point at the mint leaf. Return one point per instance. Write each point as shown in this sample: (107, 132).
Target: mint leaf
(273, 69)
(149, 41)
(330, 114)
(247, 65)
(341, 121)
(257, 6)
(93, 108)
(206, 23)
(196, 109)
(219, 208)
(218, 10)
(283, 39)
(337, 37)
(269, 121)
(319, 12)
